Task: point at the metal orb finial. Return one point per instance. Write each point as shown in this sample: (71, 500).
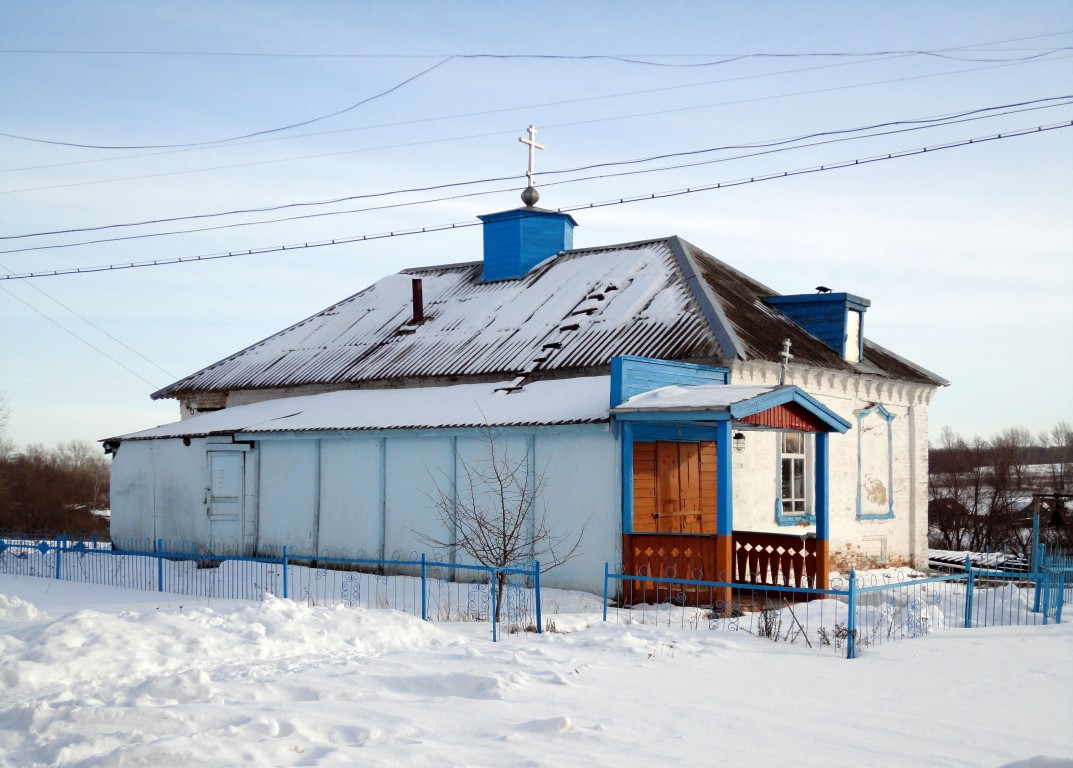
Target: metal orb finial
(530, 196)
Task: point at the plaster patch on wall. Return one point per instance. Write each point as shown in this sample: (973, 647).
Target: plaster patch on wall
(875, 491)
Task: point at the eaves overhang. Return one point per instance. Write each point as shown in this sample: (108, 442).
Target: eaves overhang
(723, 403)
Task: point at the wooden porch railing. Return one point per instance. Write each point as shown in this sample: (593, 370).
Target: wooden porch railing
(772, 559)
(776, 559)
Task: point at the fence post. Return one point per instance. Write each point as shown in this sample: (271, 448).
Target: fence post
(286, 593)
(605, 587)
(424, 590)
(536, 585)
(1061, 599)
(1047, 597)
(1037, 556)
(495, 583)
(968, 591)
(851, 622)
(59, 561)
(159, 565)
(1037, 561)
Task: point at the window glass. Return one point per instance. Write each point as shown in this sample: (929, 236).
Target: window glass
(792, 442)
(793, 473)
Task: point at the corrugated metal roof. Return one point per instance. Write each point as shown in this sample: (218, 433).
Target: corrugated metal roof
(761, 328)
(568, 316)
(582, 400)
(572, 313)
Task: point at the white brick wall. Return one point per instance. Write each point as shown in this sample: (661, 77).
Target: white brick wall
(854, 542)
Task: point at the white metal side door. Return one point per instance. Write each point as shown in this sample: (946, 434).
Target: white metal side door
(226, 486)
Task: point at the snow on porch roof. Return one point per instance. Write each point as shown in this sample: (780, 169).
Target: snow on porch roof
(582, 400)
(737, 400)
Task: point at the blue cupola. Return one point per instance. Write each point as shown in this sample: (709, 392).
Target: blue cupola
(836, 319)
(516, 241)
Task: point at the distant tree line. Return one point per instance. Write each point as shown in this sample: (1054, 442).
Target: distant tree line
(981, 492)
(52, 491)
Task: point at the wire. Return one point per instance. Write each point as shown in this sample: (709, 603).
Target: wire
(947, 119)
(500, 133)
(459, 115)
(68, 330)
(750, 145)
(94, 325)
(755, 145)
(937, 52)
(566, 209)
(629, 57)
(392, 89)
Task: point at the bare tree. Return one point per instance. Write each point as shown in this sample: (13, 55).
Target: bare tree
(7, 449)
(7, 446)
(54, 491)
(496, 513)
(1059, 477)
(959, 496)
(981, 491)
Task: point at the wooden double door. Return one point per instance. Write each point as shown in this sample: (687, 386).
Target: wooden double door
(674, 487)
(674, 519)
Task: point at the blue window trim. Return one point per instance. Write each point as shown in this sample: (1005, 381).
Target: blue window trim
(781, 518)
(887, 416)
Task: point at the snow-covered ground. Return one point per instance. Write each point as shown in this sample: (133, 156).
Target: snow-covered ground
(99, 676)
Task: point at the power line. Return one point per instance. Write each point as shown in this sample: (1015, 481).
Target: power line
(566, 209)
(613, 56)
(89, 322)
(72, 333)
(936, 52)
(964, 117)
(438, 118)
(500, 133)
(364, 101)
(750, 145)
(726, 58)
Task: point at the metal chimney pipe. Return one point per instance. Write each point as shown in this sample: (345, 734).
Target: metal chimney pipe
(419, 302)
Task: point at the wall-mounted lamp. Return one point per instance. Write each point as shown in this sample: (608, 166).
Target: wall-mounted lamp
(739, 442)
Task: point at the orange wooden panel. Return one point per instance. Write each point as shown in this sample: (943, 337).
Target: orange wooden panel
(672, 556)
(644, 487)
(689, 487)
(709, 481)
(667, 486)
(674, 486)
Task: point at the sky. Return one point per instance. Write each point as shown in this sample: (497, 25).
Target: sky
(964, 252)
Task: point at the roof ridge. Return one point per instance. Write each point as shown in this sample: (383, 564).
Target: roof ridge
(710, 304)
(620, 246)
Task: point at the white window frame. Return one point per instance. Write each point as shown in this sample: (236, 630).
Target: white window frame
(801, 510)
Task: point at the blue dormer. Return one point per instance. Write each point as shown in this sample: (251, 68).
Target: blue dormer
(836, 319)
(516, 241)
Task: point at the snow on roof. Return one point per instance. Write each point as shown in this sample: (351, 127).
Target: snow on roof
(568, 316)
(571, 313)
(700, 397)
(581, 400)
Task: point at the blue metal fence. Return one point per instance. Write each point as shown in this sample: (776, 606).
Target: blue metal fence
(507, 598)
(853, 614)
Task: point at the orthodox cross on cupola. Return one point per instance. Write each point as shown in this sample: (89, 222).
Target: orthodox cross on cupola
(529, 195)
